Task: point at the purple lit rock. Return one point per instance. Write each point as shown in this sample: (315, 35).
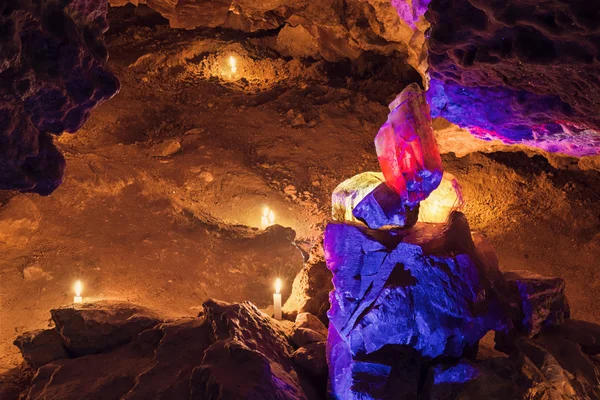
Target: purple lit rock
(384, 207)
(423, 290)
(542, 300)
(406, 148)
(522, 71)
(52, 74)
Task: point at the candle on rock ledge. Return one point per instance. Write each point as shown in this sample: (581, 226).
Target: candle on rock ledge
(78, 288)
(277, 300)
(267, 219)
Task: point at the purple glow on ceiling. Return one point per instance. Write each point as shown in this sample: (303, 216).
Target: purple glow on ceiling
(514, 117)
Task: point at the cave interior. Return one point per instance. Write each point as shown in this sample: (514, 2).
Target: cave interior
(296, 199)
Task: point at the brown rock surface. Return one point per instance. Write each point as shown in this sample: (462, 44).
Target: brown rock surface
(41, 347)
(308, 329)
(94, 327)
(231, 351)
(311, 287)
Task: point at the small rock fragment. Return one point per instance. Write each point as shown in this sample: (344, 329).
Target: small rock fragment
(41, 347)
(166, 148)
(308, 329)
(542, 299)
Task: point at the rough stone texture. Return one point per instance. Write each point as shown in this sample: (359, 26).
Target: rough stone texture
(585, 334)
(41, 347)
(542, 300)
(89, 328)
(509, 62)
(230, 351)
(308, 329)
(533, 374)
(311, 287)
(52, 74)
(312, 358)
(407, 150)
(328, 29)
(423, 289)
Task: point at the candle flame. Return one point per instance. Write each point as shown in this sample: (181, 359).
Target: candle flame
(278, 286)
(233, 64)
(267, 219)
(78, 288)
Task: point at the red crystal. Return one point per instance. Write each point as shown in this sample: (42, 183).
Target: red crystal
(407, 150)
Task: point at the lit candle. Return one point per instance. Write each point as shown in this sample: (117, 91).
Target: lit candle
(78, 287)
(277, 300)
(232, 64)
(267, 219)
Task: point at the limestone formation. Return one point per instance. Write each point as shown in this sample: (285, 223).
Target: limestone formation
(310, 289)
(499, 68)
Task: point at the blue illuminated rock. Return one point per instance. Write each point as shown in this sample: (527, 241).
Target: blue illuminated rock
(542, 300)
(384, 207)
(427, 291)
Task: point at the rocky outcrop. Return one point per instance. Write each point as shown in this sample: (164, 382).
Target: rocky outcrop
(311, 287)
(52, 74)
(416, 302)
(330, 29)
(423, 290)
(230, 351)
(90, 328)
(508, 61)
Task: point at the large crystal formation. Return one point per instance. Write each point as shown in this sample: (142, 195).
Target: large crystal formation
(428, 290)
(406, 148)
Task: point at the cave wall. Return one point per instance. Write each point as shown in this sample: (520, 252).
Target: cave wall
(52, 74)
(330, 29)
(520, 71)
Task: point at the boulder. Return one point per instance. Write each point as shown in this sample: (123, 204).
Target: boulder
(422, 290)
(308, 329)
(41, 347)
(90, 328)
(542, 300)
(311, 286)
(313, 359)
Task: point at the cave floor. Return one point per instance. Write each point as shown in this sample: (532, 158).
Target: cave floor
(166, 183)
